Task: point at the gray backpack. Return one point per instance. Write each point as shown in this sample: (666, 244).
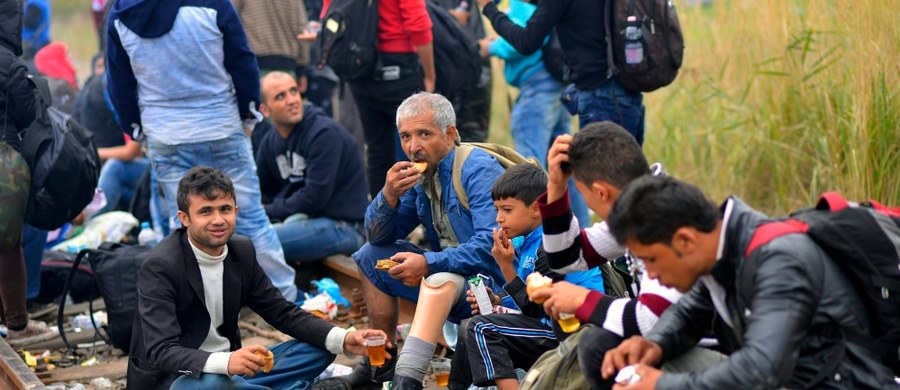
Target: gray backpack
(558, 368)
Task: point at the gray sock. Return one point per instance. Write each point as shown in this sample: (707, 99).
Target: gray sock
(414, 358)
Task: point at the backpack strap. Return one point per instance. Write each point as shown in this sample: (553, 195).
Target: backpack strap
(62, 302)
(462, 153)
(832, 201)
(767, 232)
(611, 70)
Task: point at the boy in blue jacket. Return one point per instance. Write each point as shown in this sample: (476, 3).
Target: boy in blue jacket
(491, 346)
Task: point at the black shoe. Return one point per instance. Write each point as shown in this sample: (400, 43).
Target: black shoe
(406, 383)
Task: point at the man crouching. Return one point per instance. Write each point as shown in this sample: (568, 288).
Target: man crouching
(190, 291)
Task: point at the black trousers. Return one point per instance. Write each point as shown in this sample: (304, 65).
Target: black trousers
(491, 347)
(377, 100)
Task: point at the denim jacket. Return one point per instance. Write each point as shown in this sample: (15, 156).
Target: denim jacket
(472, 228)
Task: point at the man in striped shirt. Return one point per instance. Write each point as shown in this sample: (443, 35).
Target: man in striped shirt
(604, 158)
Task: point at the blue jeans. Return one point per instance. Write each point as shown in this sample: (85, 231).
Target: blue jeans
(305, 239)
(369, 254)
(296, 366)
(118, 180)
(612, 102)
(538, 117)
(233, 156)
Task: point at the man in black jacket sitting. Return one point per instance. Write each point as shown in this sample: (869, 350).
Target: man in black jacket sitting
(190, 292)
(785, 313)
(311, 175)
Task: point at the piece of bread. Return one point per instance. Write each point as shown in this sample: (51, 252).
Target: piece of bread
(270, 360)
(421, 166)
(385, 264)
(535, 282)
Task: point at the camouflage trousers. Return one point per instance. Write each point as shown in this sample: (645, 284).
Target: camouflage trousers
(15, 184)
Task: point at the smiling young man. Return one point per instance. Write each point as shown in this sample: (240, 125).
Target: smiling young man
(785, 313)
(190, 292)
(460, 238)
(311, 175)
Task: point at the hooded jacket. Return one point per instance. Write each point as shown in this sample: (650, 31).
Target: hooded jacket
(783, 324)
(16, 91)
(180, 69)
(317, 170)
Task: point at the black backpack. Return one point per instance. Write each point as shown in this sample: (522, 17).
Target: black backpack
(862, 239)
(55, 269)
(348, 39)
(660, 40)
(115, 269)
(457, 64)
(64, 164)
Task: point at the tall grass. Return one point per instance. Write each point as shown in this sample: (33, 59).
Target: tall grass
(779, 101)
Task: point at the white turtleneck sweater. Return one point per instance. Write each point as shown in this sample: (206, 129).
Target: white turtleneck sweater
(211, 270)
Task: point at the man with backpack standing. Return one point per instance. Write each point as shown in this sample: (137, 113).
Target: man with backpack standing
(404, 66)
(182, 74)
(18, 111)
(595, 96)
(778, 304)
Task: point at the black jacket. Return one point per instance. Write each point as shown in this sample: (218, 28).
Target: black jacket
(579, 25)
(791, 316)
(171, 321)
(317, 170)
(16, 91)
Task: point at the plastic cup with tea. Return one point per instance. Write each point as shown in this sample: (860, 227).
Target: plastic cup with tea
(375, 349)
(568, 322)
(441, 369)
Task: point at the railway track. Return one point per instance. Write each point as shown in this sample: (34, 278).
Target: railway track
(14, 374)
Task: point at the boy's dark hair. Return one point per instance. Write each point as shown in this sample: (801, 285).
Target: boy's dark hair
(605, 151)
(652, 208)
(208, 182)
(525, 182)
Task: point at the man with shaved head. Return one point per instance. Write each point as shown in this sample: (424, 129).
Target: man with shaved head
(311, 175)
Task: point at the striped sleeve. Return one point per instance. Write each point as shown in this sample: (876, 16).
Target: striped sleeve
(628, 317)
(565, 242)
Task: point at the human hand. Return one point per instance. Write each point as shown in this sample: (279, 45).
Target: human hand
(302, 84)
(483, 45)
(631, 351)
(503, 250)
(557, 163)
(307, 36)
(411, 270)
(649, 376)
(400, 178)
(355, 341)
(429, 83)
(561, 297)
(473, 303)
(245, 361)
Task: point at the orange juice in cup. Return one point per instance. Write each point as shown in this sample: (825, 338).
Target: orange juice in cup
(375, 349)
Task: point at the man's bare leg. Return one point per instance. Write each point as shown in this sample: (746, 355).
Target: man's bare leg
(383, 309)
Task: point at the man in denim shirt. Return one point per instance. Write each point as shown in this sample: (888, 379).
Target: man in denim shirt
(461, 239)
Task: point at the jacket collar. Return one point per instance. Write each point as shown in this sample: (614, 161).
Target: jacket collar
(738, 227)
(231, 278)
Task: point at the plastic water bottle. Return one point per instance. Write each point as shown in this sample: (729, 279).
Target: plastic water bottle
(147, 236)
(634, 50)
